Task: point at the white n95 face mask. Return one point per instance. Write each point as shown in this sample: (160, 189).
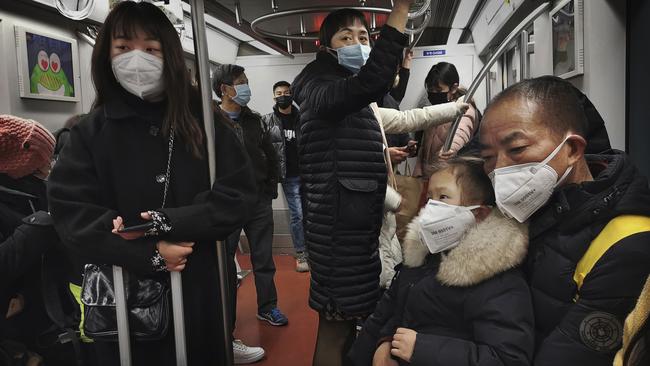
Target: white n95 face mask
(522, 189)
(140, 73)
(442, 226)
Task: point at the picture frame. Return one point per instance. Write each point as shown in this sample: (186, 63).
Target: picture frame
(567, 27)
(48, 66)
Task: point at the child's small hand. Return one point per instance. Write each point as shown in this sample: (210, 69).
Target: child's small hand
(404, 343)
(382, 356)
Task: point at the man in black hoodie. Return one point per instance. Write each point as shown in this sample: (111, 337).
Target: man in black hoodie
(582, 209)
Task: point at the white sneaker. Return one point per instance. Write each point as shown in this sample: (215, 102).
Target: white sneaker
(244, 355)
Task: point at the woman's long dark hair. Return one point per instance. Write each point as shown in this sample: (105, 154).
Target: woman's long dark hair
(124, 20)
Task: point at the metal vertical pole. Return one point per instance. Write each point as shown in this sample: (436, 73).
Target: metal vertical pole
(179, 319)
(202, 63)
(122, 314)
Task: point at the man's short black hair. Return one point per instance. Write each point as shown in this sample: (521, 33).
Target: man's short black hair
(225, 74)
(556, 100)
(281, 83)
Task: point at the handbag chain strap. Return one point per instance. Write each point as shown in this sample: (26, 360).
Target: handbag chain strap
(170, 151)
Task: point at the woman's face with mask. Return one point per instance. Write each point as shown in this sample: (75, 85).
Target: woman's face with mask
(441, 93)
(137, 63)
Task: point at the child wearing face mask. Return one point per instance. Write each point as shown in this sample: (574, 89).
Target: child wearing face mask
(459, 297)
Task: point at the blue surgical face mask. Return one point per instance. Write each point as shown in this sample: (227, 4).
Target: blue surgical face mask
(243, 94)
(353, 57)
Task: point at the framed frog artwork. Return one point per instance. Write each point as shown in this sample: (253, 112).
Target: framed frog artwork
(48, 66)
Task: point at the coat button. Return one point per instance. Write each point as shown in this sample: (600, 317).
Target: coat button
(161, 178)
(32, 220)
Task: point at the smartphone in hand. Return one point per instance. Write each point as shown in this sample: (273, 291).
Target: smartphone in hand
(136, 228)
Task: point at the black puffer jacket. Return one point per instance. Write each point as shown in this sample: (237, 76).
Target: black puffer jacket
(470, 306)
(587, 331)
(344, 175)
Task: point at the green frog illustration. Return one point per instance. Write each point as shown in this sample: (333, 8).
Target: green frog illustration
(49, 78)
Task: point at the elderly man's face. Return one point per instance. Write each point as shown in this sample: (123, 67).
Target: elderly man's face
(512, 132)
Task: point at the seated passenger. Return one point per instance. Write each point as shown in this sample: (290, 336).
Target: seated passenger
(28, 245)
(533, 137)
(460, 297)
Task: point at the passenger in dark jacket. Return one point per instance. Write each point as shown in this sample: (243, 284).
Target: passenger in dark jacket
(343, 170)
(468, 305)
(115, 163)
(230, 84)
(283, 127)
(574, 325)
(28, 240)
(26, 149)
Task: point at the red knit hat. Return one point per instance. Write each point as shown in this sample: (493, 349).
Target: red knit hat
(25, 146)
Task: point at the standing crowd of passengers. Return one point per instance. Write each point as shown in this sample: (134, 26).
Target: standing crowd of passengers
(531, 245)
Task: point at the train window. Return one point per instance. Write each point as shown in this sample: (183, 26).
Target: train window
(512, 64)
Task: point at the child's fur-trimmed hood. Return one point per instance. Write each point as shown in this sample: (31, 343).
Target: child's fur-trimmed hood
(493, 246)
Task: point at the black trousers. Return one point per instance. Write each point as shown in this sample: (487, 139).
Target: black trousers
(259, 231)
(335, 338)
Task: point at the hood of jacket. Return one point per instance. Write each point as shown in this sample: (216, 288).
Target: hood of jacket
(493, 246)
(617, 189)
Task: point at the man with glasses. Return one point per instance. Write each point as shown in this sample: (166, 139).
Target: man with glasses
(282, 125)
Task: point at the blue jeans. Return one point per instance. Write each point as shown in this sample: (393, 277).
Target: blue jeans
(291, 188)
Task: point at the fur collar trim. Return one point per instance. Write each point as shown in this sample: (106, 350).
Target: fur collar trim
(495, 245)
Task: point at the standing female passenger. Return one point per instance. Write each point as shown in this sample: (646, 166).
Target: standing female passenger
(343, 169)
(142, 150)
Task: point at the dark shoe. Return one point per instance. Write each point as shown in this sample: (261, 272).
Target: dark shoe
(274, 317)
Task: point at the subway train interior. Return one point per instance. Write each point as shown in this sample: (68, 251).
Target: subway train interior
(327, 182)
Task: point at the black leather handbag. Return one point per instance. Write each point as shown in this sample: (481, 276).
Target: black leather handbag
(147, 300)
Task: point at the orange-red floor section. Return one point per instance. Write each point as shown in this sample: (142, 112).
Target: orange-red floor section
(292, 344)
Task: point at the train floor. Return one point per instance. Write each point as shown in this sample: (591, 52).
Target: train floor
(294, 342)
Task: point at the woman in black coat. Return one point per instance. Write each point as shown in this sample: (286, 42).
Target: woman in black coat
(117, 163)
(343, 170)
